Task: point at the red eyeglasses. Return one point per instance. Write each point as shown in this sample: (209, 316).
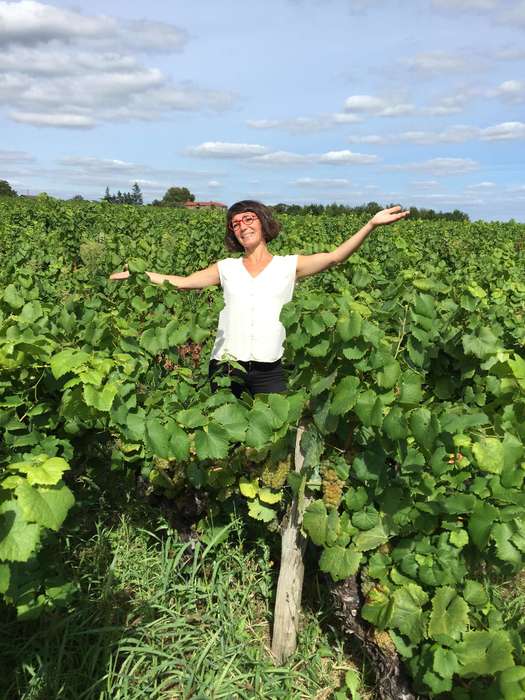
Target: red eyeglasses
(246, 219)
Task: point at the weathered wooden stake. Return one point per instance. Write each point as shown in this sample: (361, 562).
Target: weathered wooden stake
(291, 573)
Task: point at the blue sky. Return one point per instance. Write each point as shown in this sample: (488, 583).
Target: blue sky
(420, 102)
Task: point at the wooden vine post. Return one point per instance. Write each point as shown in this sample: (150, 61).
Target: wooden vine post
(291, 573)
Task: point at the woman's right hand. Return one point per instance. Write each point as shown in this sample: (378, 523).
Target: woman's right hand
(120, 275)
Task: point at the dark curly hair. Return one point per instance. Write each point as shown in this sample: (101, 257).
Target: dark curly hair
(270, 227)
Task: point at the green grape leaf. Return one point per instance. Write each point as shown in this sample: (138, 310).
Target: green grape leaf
(340, 562)
(18, 538)
(349, 326)
(407, 611)
(370, 539)
(157, 438)
(233, 419)
(47, 472)
(445, 662)
(45, 506)
(410, 393)
(484, 653)
(506, 551)
(266, 495)
(179, 442)
(395, 424)
(389, 375)
(315, 522)
(280, 409)
(449, 617)
(475, 594)
(101, 399)
(369, 408)
(512, 683)
(258, 511)
(67, 360)
(459, 538)
(378, 608)
(5, 576)
(480, 523)
(248, 488)
(344, 396)
(12, 297)
(191, 418)
(425, 427)
(260, 426)
(489, 454)
(211, 442)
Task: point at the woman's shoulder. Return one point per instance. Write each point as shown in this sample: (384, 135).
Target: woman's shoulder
(287, 262)
(286, 258)
(229, 262)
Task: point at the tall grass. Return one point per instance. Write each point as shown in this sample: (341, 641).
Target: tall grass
(160, 618)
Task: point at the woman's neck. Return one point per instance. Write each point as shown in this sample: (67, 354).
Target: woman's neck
(257, 254)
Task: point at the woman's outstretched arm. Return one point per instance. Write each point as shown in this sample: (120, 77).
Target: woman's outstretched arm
(197, 280)
(312, 264)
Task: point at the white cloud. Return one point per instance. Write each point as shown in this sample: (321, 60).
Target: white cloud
(425, 184)
(376, 106)
(374, 139)
(438, 62)
(458, 5)
(514, 15)
(364, 103)
(220, 149)
(61, 68)
(304, 124)
(147, 35)
(440, 166)
(482, 186)
(330, 183)
(281, 158)
(90, 164)
(510, 90)
(61, 121)
(506, 131)
(54, 61)
(15, 157)
(31, 22)
(446, 199)
(214, 184)
(346, 157)
(454, 134)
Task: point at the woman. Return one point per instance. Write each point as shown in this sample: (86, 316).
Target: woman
(256, 286)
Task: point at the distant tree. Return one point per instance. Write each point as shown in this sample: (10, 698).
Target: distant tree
(136, 193)
(6, 190)
(133, 197)
(77, 198)
(176, 196)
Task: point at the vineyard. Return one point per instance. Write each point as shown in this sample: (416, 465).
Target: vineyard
(406, 371)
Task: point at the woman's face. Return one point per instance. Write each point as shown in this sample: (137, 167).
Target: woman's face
(247, 229)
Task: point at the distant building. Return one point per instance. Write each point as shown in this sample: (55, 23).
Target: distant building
(200, 205)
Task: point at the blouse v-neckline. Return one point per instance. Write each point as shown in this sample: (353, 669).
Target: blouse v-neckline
(254, 277)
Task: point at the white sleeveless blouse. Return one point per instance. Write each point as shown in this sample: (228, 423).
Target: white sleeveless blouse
(249, 326)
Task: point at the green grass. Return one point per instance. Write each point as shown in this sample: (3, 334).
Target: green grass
(157, 617)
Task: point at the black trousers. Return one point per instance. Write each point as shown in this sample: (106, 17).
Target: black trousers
(258, 377)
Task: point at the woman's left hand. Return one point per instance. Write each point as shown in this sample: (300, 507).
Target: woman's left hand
(389, 216)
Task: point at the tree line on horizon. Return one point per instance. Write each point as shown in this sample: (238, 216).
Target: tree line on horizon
(178, 196)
